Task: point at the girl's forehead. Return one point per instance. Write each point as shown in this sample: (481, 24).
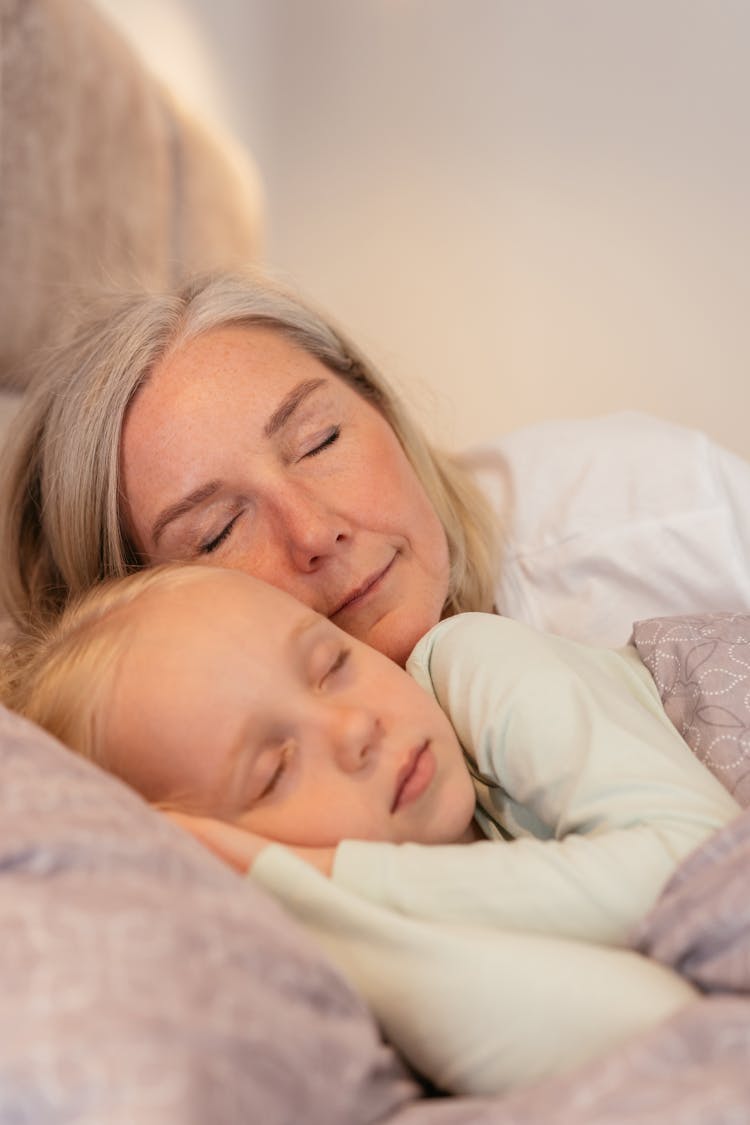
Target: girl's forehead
(222, 597)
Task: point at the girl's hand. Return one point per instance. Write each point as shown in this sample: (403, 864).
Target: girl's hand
(237, 846)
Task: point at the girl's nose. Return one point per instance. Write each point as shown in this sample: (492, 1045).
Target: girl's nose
(356, 734)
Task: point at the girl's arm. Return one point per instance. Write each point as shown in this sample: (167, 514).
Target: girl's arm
(238, 847)
(601, 792)
(475, 1010)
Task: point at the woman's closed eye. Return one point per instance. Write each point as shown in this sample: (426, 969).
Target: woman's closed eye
(211, 545)
(331, 437)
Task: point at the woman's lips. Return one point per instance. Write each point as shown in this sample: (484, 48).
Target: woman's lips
(361, 593)
(414, 777)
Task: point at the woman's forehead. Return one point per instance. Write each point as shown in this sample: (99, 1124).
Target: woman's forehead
(211, 378)
(234, 347)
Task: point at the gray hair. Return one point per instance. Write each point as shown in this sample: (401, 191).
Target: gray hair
(61, 510)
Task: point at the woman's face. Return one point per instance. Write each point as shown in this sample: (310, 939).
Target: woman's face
(244, 451)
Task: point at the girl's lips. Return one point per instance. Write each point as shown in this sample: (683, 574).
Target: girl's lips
(414, 778)
(356, 597)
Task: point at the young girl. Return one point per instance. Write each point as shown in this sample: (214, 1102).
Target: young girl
(253, 719)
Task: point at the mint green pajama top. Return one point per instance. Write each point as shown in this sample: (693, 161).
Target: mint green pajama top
(492, 964)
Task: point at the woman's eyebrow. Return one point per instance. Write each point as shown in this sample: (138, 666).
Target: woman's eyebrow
(180, 507)
(279, 418)
(288, 405)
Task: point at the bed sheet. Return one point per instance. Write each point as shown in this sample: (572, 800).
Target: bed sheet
(140, 985)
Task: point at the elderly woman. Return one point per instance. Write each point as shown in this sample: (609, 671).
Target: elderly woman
(230, 423)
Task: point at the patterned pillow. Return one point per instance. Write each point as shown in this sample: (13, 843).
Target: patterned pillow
(701, 667)
(143, 981)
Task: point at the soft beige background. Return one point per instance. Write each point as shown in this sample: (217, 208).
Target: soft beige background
(522, 208)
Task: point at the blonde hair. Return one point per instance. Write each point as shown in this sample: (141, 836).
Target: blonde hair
(61, 509)
(61, 672)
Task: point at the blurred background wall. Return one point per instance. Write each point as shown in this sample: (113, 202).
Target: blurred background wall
(521, 208)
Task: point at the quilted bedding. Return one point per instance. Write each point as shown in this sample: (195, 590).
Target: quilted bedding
(139, 987)
(692, 1070)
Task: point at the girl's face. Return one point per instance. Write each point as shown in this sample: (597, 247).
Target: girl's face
(246, 452)
(234, 700)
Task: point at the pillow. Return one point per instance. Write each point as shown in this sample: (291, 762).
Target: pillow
(143, 981)
(701, 667)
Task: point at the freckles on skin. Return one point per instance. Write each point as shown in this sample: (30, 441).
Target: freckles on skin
(317, 527)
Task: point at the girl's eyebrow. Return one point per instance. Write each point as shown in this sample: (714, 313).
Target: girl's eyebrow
(307, 622)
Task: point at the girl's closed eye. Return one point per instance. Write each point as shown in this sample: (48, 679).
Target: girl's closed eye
(336, 665)
(278, 773)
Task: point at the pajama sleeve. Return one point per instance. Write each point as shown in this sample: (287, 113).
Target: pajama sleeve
(476, 1011)
(588, 774)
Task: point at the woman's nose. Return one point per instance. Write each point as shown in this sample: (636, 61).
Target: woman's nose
(313, 530)
(356, 734)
